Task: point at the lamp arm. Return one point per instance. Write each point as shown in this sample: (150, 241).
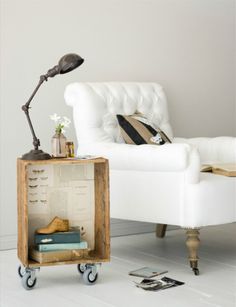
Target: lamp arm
(25, 108)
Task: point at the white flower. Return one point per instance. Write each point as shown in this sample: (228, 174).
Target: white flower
(66, 122)
(55, 117)
(61, 122)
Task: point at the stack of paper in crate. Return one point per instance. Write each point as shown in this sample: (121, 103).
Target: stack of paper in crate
(58, 246)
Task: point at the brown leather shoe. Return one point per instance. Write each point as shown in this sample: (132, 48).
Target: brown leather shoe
(55, 225)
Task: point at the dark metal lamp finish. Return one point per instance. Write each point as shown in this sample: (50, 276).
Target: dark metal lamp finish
(69, 62)
(36, 154)
(66, 64)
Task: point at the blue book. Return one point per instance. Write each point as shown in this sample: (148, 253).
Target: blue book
(62, 246)
(58, 237)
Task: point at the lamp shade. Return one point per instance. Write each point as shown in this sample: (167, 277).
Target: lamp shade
(69, 62)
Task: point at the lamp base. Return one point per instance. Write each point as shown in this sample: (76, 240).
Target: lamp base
(36, 154)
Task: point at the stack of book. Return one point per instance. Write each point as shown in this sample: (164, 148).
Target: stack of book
(58, 246)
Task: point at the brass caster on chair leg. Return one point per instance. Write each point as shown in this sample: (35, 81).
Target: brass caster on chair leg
(194, 267)
(196, 271)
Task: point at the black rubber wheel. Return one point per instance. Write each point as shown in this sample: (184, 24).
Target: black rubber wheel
(27, 282)
(89, 278)
(82, 268)
(21, 272)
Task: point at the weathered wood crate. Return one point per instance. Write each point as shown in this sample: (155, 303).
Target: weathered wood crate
(69, 188)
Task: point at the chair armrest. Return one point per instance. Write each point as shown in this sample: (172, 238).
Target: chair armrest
(151, 158)
(213, 150)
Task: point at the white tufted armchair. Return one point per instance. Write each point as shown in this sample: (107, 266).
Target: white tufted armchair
(158, 184)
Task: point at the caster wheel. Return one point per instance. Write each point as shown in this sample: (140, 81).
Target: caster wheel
(82, 268)
(27, 282)
(196, 271)
(89, 278)
(21, 271)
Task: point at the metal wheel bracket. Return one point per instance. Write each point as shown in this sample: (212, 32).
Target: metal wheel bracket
(94, 268)
(32, 272)
(22, 270)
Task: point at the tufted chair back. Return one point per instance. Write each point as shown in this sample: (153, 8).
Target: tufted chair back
(95, 106)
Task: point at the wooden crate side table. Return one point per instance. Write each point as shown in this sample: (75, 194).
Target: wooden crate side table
(52, 181)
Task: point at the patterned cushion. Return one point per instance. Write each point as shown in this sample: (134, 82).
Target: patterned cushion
(136, 129)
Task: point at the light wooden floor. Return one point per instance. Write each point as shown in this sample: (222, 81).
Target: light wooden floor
(62, 286)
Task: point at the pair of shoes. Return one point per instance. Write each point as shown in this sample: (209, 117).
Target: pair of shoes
(55, 225)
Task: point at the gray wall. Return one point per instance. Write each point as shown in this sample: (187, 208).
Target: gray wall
(186, 45)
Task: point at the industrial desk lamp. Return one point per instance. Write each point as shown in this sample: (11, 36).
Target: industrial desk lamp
(66, 64)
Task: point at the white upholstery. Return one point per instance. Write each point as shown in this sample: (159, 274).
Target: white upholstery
(96, 105)
(161, 184)
(213, 150)
(149, 158)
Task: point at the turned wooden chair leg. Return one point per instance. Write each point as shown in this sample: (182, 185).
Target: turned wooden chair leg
(193, 243)
(161, 230)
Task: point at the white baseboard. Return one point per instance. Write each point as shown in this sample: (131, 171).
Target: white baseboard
(125, 228)
(8, 242)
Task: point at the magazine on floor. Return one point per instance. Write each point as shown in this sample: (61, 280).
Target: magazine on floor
(158, 284)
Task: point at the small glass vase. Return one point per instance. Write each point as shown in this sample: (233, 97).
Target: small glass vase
(59, 145)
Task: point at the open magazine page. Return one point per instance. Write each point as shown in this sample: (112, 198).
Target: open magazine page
(158, 284)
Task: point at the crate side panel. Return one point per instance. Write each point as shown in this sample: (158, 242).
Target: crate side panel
(102, 212)
(22, 216)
